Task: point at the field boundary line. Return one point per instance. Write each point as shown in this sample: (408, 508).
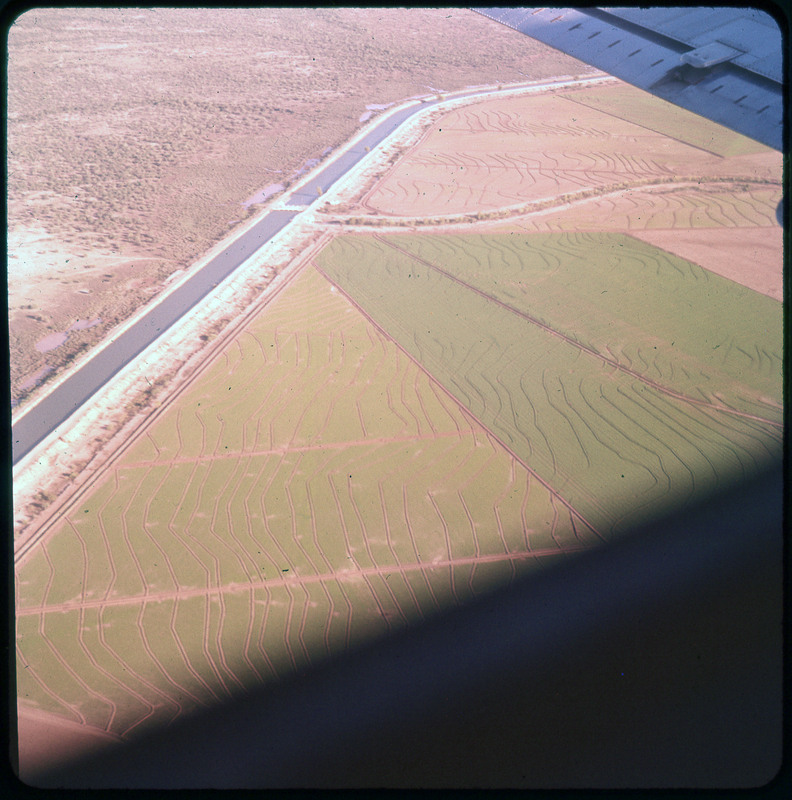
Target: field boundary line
(466, 412)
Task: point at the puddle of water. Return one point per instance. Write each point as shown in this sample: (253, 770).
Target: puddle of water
(51, 342)
(83, 324)
(54, 340)
(264, 194)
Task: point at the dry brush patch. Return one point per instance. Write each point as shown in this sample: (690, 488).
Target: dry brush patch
(313, 488)
(138, 134)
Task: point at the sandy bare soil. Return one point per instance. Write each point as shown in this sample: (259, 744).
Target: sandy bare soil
(47, 739)
(502, 153)
(136, 137)
(521, 155)
(752, 257)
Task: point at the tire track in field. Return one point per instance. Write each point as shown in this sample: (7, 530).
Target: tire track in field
(284, 449)
(340, 576)
(183, 651)
(569, 340)
(449, 549)
(75, 676)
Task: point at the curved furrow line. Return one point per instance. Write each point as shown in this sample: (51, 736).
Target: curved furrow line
(523, 508)
(361, 523)
(286, 629)
(597, 414)
(554, 522)
(574, 342)
(180, 689)
(572, 427)
(650, 435)
(471, 522)
(447, 537)
(400, 374)
(191, 523)
(392, 407)
(172, 528)
(342, 520)
(154, 444)
(44, 686)
(249, 634)
(293, 511)
(301, 629)
(467, 413)
(536, 426)
(426, 417)
(348, 629)
(112, 678)
(183, 651)
(246, 502)
(179, 436)
(145, 527)
(127, 667)
(84, 549)
(74, 675)
(396, 559)
(332, 400)
(384, 615)
(272, 537)
(262, 649)
(105, 537)
(221, 651)
(748, 428)
(414, 544)
(329, 619)
(312, 512)
(202, 451)
(239, 549)
(249, 334)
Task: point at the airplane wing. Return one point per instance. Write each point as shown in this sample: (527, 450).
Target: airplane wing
(723, 63)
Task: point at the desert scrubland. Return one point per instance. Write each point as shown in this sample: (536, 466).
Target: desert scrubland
(138, 137)
(421, 416)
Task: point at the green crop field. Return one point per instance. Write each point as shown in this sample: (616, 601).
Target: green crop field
(311, 489)
(626, 378)
(649, 111)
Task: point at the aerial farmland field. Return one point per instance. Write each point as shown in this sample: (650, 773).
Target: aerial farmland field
(626, 377)
(547, 319)
(314, 488)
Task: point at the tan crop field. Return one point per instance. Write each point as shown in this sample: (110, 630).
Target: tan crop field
(251, 529)
(494, 155)
(138, 137)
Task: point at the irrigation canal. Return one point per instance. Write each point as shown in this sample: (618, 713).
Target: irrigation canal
(39, 420)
